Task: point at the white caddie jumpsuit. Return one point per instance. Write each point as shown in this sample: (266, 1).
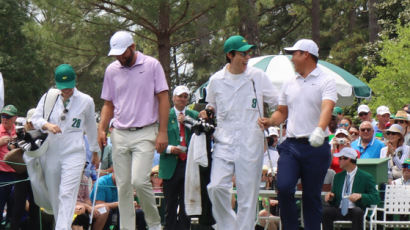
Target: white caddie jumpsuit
(239, 144)
(64, 161)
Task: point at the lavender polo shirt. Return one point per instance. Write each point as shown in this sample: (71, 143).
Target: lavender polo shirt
(133, 91)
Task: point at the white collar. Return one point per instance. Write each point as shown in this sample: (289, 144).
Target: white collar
(177, 112)
(352, 173)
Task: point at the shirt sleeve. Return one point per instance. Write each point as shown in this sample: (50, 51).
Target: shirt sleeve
(210, 95)
(107, 92)
(269, 91)
(37, 118)
(160, 79)
(91, 127)
(282, 96)
(329, 91)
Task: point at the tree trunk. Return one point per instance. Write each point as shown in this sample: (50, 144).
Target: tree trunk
(164, 40)
(248, 22)
(315, 21)
(373, 27)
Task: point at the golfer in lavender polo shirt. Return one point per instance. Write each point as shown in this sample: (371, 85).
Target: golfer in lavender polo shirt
(135, 94)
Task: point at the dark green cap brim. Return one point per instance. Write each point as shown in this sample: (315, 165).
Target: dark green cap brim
(9, 113)
(242, 49)
(65, 85)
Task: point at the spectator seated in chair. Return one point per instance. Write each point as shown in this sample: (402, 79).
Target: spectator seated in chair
(353, 190)
(107, 203)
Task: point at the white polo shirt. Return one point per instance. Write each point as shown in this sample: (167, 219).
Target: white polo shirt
(303, 97)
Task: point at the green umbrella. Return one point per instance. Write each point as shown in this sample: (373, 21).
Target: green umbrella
(279, 68)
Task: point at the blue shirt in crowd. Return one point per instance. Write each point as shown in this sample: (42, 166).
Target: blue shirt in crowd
(372, 150)
(107, 191)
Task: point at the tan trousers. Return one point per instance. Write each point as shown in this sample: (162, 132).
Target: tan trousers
(133, 153)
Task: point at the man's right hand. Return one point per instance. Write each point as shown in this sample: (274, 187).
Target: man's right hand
(102, 138)
(175, 150)
(329, 196)
(264, 122)
(5, 140)
(52, 128)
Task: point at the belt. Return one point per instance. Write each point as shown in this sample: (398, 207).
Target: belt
(303, 140)
(134, 128)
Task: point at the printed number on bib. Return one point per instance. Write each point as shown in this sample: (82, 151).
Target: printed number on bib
(254, 101)
(76, 123)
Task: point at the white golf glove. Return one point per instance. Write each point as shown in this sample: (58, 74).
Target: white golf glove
(317, 137)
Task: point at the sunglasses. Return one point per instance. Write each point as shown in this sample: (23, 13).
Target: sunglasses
(6, 116)
(345, 124)
(365, 130)
(343, 158)
(406, 166)
(354, 133)
(399, 122)
(391, 133)
(363, 114)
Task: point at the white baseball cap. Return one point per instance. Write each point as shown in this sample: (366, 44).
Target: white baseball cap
(119, 42)
(347, 152)
(304, 45)
(180, 90)
(344, 131)
(381, 110)
(363, 108)
(30, 113)
(273, 131)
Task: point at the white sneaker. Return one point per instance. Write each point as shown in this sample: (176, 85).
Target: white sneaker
(155, 227)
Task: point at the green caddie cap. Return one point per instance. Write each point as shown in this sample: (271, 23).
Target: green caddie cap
(237, 43)
(337, 110)
(9, 110)
(65, 77)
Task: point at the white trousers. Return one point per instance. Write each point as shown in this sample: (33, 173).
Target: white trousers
(62, 174)
(248, 177)
(133, 154)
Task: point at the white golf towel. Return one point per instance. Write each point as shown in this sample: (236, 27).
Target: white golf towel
(197, 156)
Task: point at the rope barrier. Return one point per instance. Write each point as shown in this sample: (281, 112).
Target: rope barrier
(4, 184)
(11, 162)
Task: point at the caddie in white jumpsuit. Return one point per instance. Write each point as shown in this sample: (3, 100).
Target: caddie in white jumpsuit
(63, 163)
(239, 141)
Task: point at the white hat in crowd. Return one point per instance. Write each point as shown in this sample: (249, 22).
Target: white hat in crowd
(347, 152)
(395, 128)
(304, 45)
(344, 131)
(180, 90)
(363, 109)
(272, 131)
(119, 42)
(30, 113)
(381, 110)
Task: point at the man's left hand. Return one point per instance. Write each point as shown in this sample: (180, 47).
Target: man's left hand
(355, 197)
(317, 137)
(161, 142)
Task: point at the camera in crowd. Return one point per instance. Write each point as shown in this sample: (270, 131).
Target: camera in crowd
(201, 125)
(27, 140)
(341, 141)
